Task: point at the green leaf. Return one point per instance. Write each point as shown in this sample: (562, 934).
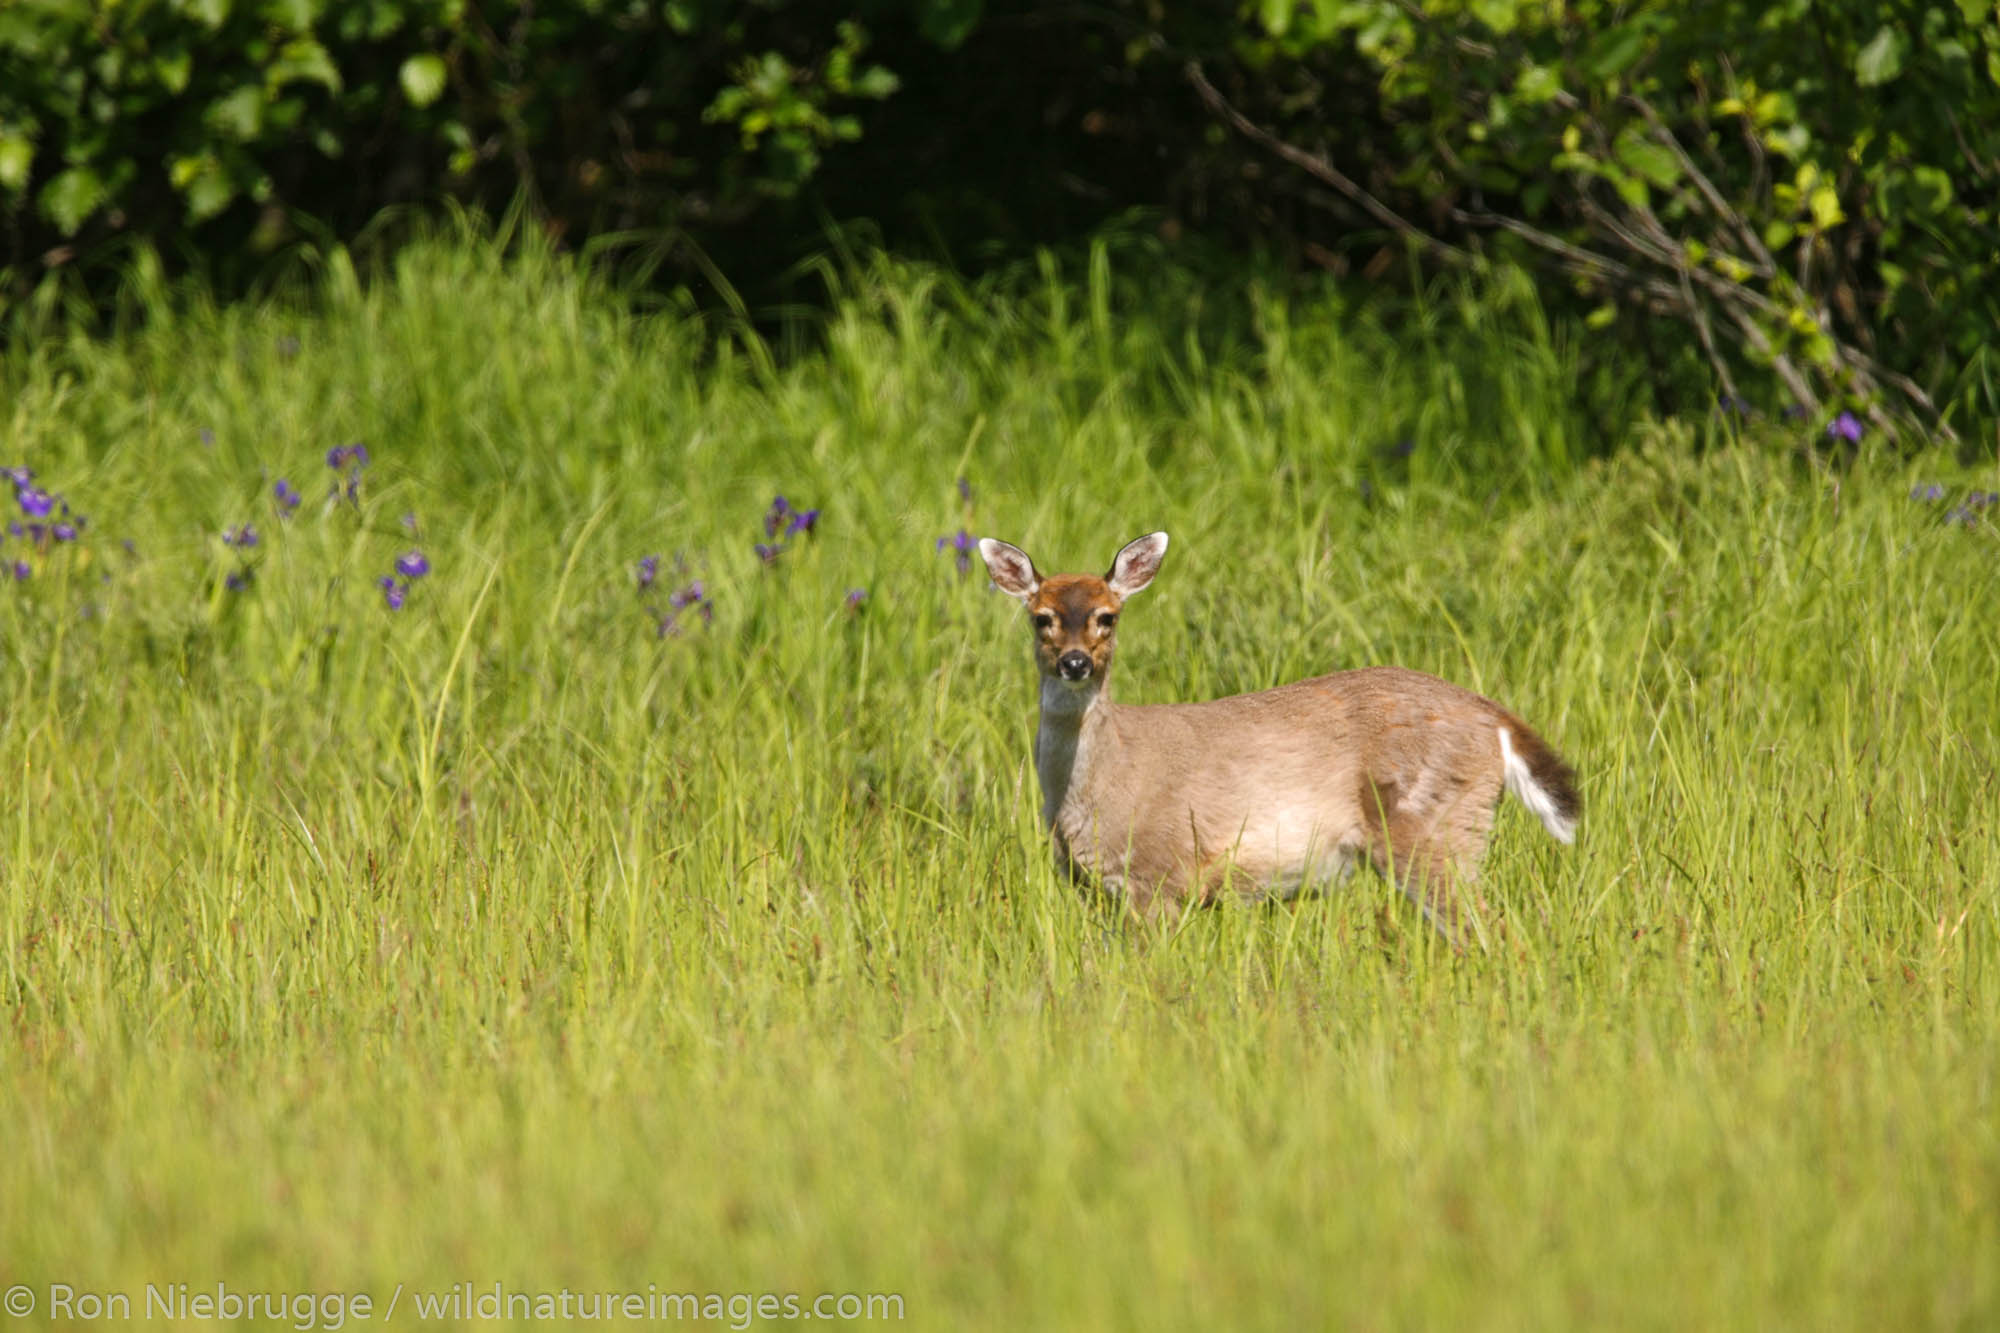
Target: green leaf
(240, 114)
(422, 77)
(298, 15)
(1639, 153)
(1934, 182)
(1499, 15)
(182, 170)
(949, 22)
(1792, 140)
(1824, 204)
(17, 155)
(1537, 84)
(303, 61)
(209, 192)
(212, 13)
(1882, 59)
(1617, 50)
(172, 67)
(70, 199)
(875, 82)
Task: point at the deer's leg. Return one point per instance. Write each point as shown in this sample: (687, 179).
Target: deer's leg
(1421, 856)
(1431, 879)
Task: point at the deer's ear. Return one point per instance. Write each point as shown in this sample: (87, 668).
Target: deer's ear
(1137, 563)
(1013, 573)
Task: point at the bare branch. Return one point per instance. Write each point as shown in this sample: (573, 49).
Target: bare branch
(1675, 285)
(1698, 316)
(1577, 259)
(1766, 266)
(1320, 168)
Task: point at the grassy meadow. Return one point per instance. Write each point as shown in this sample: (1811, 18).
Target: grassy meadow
(563, 933)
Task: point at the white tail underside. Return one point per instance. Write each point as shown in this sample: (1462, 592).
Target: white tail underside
(1521, 781)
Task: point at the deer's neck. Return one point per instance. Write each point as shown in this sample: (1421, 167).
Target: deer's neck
(1070, 721)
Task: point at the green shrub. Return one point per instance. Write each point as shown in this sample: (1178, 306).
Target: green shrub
(1809, 188)
(224, 125)
(1801, 195)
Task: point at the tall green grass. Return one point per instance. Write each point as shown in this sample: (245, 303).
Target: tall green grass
(501, 939)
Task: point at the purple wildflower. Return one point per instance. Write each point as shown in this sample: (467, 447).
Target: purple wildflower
(35, 502)
(802, 521)
(393, 592)
(349, 460)
(856, 596)
(20, 476)
(769, 553)
(410, 523)
(965, 490)
(1928, 490)
(207, 438)
(1982, 499)
(412, 565)
(21, 571)
(242, 538)
(649, 570)
(236, 580)
(774, 518)
(288, 497)
(694, 597)
(962, 542)
(1962, 516)
(1846, 426)
(63, 532)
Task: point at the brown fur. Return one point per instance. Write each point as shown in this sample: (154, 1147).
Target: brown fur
(1269, 791)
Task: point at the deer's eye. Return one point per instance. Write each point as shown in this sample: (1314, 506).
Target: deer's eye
(1106, 619)
(1044, 620)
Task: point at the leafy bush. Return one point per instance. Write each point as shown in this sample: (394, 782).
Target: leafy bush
(1810, 188)
(1802, 195)
(159, 120)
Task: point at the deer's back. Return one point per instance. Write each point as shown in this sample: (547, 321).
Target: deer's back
(1282, 779)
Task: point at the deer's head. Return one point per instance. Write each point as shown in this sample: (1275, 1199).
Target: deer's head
(1075, 616)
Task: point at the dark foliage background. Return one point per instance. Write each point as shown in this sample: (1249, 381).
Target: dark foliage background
(1801, 195)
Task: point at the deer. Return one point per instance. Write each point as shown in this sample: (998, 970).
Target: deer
(1269, 794)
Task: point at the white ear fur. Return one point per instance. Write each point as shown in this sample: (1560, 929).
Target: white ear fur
(1013, 573)
(1137, 563)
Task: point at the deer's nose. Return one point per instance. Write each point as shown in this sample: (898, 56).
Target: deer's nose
(1073, 665)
